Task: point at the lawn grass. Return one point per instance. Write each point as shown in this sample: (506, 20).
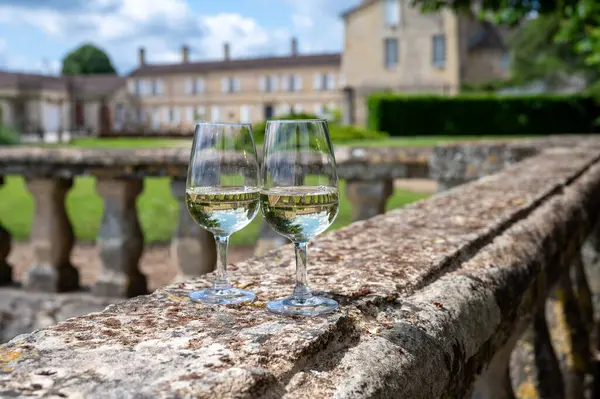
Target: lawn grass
(157, 209)
(123, 142)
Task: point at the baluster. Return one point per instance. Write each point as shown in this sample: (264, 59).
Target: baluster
(368, 198)
(590, 254)
(534, 366)
(5, 268)
(570, 336)
(268, 239)
(51, 237)
(120, 241)
(193, 248)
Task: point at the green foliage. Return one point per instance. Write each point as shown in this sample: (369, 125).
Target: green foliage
(579, 19)
(87, 60)
(481, 115)
(535, 55)
(8, 135)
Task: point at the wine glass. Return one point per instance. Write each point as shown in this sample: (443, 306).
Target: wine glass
(222, 196)
(299, 199)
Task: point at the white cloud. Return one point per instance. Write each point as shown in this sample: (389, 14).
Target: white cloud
(121, 26)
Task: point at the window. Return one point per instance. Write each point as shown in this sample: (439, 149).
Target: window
(297, 109)
(330, 81)
(391, 12)
(269, 83)
(245, 113)
(324, 81)
(230, 85)
(174, 116)
(155, 118)
(391, 53)
(297, 83)
(439, 51)
(194, 86)
(157, 87)
(284, 109)
(215, 114)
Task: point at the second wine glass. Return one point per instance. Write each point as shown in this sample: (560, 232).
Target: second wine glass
(222, 196)
(299, 199)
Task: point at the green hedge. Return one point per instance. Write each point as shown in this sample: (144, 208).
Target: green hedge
(338, 133)
(8, 135)
(402, 115)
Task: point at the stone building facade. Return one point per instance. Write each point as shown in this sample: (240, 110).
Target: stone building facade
(229, 90)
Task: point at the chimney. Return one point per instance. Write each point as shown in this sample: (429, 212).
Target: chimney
(185, 54)
(226, 51)
(142, 56)
(294, 46)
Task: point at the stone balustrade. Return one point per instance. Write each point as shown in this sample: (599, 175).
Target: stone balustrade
(451, 297)
(119, 174)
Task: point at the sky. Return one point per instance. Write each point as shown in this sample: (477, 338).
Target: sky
(35, 35)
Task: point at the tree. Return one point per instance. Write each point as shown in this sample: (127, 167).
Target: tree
(87, 60)
(537, 56)
(579, 19)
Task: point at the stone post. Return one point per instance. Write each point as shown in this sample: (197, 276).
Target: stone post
(348, 117)
(51, 237)
(368, 198)
(192, 248)
(5, 268)
(120, 241)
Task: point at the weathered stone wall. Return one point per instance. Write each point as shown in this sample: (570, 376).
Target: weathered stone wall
(434, 297)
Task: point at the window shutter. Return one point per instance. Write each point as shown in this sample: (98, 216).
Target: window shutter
(131, 86)
(237, 87)
(285, 83)
(189, 86)
(317, 81)
(318, 109)
(274, 82)
(330, 81)
(297, 109)
(215, 114)
(199, 85)
(201, 114)
(224, 84)
(297, 83)
(159, 86)
(262, 83)
(245, 113)
(189, 114)
(285, 109)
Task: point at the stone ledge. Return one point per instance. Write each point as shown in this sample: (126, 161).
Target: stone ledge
(353, 163)
(428, 296)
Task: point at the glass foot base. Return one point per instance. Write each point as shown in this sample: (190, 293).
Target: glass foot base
(312, 306)
(229, 296)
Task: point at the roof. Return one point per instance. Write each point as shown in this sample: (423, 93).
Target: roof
(93, 85)
(363, 4)
(238, 64)
(488, 36)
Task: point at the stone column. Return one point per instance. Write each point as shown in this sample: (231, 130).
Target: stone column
(534, 366)
(120, 241)
(5, 268)
(192, 247)
(268, 240)
(368, 198)
(51, 237)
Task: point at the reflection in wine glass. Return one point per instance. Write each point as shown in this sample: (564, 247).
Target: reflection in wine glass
(222, 196)
(299, 199)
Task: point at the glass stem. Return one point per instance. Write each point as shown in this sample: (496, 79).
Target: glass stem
(302, 290)
(221, 282)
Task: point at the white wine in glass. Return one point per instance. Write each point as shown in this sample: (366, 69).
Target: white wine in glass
(299, 199)
(222, 196)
